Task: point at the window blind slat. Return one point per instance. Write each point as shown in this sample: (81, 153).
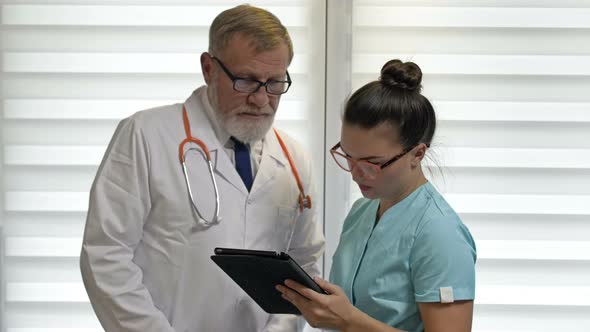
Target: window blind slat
(68, 109)
(513, 318)
(33, 329)
(467, 64)
(41, 317)
(463, 203)
(471, 17)
(53, 155)
(43, 246)
(487, 249)
(516, 158)
(46, 201)
(534, 295)
(489, 294)
(533, 250)
(46, 292)
(452, 157)
(85, 15)
(512, 111)
(520, 204)
(116, 63)
(87, 109)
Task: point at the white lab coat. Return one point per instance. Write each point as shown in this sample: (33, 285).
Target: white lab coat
(146, 263)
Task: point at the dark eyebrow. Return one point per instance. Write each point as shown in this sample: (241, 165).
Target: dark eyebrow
(365, 158)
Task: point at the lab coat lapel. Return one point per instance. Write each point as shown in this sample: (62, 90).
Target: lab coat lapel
(273, 160)
(202, 129)
(225, 169)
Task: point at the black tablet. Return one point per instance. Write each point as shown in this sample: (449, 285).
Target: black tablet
(257, 272)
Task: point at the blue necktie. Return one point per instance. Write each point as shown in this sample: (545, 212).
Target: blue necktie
(242, 154)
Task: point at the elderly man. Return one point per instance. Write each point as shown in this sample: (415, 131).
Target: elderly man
(157, 209)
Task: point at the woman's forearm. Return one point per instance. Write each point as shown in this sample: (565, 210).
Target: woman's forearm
(361, 322)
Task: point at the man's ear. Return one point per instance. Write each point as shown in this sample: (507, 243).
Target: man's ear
(207, 66)
(418, 153)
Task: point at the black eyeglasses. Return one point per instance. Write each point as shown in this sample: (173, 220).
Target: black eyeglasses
(248, 85)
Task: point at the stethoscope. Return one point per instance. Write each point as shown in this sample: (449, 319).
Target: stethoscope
(304, 200)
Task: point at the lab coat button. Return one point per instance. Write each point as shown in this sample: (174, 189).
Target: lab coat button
(249, 200)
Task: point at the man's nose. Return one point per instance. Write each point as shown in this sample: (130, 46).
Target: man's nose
(259, 98)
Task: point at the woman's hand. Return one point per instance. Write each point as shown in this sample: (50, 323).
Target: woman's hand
(332, 311)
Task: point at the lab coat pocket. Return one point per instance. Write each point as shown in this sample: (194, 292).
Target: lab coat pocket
(285, 225)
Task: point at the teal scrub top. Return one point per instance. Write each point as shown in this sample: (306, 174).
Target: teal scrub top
(419, 251)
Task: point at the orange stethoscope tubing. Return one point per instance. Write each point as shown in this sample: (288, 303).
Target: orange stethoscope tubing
(304, 200)
(182, 154)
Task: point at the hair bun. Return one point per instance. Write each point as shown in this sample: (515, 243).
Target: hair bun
(404, 75)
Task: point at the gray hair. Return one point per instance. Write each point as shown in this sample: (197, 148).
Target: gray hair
(262, 26)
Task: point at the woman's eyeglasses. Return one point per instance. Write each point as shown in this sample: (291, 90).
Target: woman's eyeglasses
(370, 170)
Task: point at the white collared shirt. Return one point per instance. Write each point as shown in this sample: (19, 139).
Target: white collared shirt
(228, 145)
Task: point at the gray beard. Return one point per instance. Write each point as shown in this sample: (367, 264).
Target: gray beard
(246, 131)
(243, 131)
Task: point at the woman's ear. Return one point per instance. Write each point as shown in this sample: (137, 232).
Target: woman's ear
(207, 67)
(418, 153)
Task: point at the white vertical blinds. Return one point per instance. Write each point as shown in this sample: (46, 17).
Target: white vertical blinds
(510, 83)
(70, 71)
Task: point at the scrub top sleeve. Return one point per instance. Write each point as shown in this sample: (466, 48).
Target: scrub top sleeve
(119, 204)
(442, 262)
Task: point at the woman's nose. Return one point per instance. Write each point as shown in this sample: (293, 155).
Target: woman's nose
(357, 173)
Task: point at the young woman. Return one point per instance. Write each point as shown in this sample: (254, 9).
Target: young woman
(405, 261)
